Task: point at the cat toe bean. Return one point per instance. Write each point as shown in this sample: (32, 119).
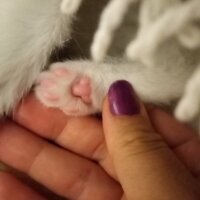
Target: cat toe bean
(66, 89)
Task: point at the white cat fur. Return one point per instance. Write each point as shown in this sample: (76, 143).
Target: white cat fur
(159, 86)
(162, 83)
(30, 31)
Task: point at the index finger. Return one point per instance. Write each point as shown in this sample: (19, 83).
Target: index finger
(83, 135)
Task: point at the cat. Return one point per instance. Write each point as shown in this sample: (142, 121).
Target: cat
(31, 31)
(160, 65)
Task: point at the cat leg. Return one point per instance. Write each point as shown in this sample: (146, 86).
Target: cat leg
(70, 7)
(79, 87)
(189, 106)
(175, 19)
(111, 19)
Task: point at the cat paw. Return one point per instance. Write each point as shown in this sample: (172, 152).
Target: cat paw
(66, 89)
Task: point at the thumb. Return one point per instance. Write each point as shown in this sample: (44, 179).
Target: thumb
(145, 166)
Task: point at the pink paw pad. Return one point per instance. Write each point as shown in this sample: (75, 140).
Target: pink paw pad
(51, 96)
(61, 72)
(82, 88)
(45, 83)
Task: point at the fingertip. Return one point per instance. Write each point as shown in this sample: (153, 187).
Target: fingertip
(123, 99)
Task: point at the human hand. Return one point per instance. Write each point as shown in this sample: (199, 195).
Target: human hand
(72, 173)
(145, 165)
(50, 123)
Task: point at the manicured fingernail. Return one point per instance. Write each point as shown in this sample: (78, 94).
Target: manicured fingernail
(122, 99)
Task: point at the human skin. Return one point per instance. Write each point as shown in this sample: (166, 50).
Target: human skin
(68, 168)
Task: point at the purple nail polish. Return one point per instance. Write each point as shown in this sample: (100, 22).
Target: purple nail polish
(122, 98)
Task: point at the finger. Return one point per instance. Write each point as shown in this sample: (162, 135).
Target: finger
(183, 139)
(124, 198)
(65, 131)
(13, 189)
(57, 169)
(140, 157)
(48, 122)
